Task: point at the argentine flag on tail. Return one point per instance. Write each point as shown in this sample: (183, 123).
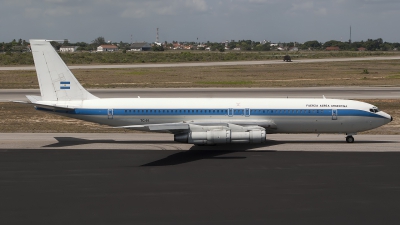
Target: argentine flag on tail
(65, 85)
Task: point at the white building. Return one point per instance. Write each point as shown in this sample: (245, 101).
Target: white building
(107, 48)
(68, 48)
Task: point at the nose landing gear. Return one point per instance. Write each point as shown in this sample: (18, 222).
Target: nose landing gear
(349, 139)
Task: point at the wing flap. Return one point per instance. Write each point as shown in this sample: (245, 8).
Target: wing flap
(158, 127)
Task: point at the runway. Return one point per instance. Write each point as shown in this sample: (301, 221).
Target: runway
(233, 63)
(158, 141)
(307, 92)
(126, 179)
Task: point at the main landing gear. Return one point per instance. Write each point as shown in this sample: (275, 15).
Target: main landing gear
(349, 139)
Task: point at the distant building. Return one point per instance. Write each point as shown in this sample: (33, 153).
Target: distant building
(68, 48)
(177, 46)
(140, 46)
(333, 48)
(107, 48)
(361, 49)
(294, 49)
(201, 46)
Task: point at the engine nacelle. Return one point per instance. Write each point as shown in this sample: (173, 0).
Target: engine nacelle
(252, 136)
(221, 137)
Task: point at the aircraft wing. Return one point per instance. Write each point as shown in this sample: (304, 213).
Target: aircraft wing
(204, 125)
(159, 127)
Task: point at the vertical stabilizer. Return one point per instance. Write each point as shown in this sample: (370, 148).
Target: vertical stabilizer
(56, 81)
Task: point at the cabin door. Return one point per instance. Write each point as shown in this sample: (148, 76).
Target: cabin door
(247, 112)
(334, 114)
(230, 112)
(110, 113)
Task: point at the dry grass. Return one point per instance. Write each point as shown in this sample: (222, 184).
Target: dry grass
(280, 75)
(21, 118)
(392, 107)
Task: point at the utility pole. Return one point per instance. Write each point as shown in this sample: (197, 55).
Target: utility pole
(157, 38)
(350, 36)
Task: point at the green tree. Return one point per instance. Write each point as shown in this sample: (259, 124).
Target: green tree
(262, 47)
(56, 45)
(99, 41)
(311, 45)
(157, 48)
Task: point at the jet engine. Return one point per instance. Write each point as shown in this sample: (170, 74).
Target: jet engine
(221, 137)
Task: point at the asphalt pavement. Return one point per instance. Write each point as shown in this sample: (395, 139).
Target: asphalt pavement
(196, 64)
(306, 92)
(60, 186)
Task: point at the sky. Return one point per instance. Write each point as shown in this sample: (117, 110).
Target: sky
(200, 20)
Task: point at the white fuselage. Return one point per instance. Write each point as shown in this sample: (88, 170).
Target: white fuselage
(280, 115)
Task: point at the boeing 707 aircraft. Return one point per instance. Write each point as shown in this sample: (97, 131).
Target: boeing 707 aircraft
(199, 121)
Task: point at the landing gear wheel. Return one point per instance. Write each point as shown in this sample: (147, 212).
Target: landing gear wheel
(349, 139)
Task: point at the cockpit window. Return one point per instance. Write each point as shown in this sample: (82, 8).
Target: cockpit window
(374, 110)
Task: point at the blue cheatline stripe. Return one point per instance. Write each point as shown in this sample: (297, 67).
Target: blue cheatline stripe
(65, 87)
(65, 82)
(222, 112)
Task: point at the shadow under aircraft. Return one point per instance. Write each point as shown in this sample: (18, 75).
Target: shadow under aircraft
(72, 141)
(195, 153)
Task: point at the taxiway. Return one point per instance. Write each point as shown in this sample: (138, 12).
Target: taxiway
(306, 92)
(233, 63)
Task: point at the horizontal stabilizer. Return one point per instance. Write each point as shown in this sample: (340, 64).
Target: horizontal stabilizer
(34, 98)
(50, 107)
(55, 107)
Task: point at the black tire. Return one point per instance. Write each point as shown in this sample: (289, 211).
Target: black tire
(349, 139)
